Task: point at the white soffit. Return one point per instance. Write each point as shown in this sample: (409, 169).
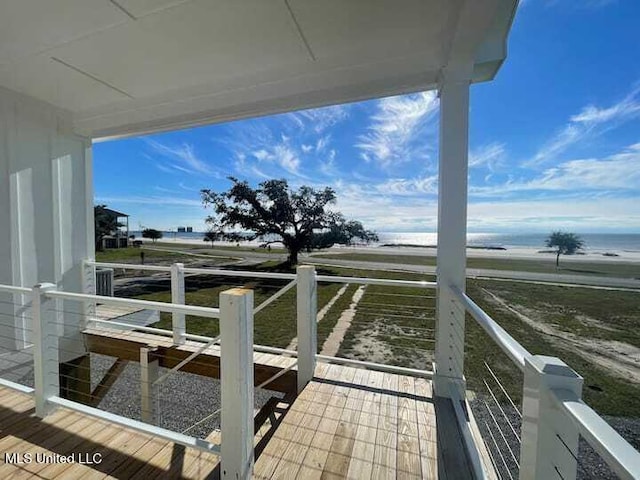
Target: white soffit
(125, 67)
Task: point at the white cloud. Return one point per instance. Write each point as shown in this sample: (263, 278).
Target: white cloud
(287, 159)
(628, 108)
(184, 155)
(396, 131)
(150, 200)
(261, 154)
(619, 172)
(280, 154)
(549, 214)
(590, 122)
(409, 186)
(419, 213)
(322, 143)
(328, 166)
(488, 155)
(285, 145)
(384, 212)
(319, 119)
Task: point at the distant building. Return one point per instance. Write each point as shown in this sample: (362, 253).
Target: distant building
(181, 230)
(119, 238)
(185, 229)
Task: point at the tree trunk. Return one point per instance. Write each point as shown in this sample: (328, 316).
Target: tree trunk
(293, 256)
(294, 247)
(558, 259)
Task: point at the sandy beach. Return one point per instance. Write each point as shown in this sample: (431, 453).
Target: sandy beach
(522, 253)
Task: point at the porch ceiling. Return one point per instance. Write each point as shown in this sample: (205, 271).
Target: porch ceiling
(130, 66)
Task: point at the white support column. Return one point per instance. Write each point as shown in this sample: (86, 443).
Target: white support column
(307, 306)
(236, 379)
(45, 349)
(148, 391)
(549, 444)
(178, 296)
(89, 287)
(452, 230)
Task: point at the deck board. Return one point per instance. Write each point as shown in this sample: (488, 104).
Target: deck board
(125, 453)
(360, 424)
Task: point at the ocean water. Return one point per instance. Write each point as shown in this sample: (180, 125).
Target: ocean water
(629, 242)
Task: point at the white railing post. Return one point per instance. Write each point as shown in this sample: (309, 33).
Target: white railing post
(178, 296)
(148, 388)
(307, 306)
(549, 438)
(45, 349)
(236, 380)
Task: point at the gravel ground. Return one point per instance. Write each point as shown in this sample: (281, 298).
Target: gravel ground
(182, 400)
(590, 464)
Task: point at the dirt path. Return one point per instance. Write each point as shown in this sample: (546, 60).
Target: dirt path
(332, 344)
(619, 358)
(321, 314)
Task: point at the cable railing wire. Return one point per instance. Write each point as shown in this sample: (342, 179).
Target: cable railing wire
(504, 438)
(501, 410)
(494, 463)
(497, 449)
(578, 462)
(504, 391)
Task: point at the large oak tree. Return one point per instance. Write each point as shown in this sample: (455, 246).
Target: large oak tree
(296, 217)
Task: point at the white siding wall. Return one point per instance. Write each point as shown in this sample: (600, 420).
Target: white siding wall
(46, 207)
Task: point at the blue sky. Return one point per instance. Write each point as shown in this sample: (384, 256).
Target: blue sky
(554, 141)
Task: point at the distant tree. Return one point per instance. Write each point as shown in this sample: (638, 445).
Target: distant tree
(565, 243)
(104, 224)
(273, 209)
(152, 233)
(211, 237)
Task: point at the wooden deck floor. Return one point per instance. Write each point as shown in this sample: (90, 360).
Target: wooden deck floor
(124, 453)
(347, 423)
(360, 424)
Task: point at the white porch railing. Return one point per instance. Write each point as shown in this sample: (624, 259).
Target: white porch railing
(236, 331)
(554, 415)
(306, 303)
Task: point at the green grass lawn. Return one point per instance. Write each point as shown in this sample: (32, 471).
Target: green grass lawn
(132, 255)
(274, 326)
(604, 391)
(545, 264)
(204, 247)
